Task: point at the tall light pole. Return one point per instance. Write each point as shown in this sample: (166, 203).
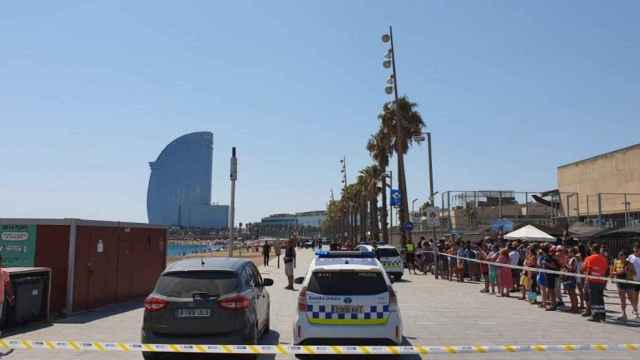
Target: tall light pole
(232, 205)
(390, 62)
(346, 214)
(431, 189)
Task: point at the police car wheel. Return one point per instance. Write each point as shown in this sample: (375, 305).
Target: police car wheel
(397, 277)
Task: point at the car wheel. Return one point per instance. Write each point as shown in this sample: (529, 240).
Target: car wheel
(398, 277)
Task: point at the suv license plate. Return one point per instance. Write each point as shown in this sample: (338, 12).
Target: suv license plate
(346, 309)
(193, 313)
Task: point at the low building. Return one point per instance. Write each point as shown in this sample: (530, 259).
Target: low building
(605, 186)
(311, 218)
(94, 263)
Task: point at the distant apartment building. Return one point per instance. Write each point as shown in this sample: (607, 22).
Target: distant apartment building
(308, 218)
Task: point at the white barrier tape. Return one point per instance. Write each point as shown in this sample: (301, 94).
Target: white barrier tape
(538, 270)
(295, 349)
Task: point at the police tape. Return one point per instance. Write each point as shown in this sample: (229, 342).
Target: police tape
(539, 270)
(303, 349)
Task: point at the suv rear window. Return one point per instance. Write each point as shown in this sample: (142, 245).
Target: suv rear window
(186, 283)
(387, 253)
(347, 283)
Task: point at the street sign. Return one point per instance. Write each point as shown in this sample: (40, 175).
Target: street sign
(408, 226)
(432, 217)
(395, 197)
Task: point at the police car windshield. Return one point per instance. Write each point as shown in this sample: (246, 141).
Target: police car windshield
(387, 253)
(347, 283)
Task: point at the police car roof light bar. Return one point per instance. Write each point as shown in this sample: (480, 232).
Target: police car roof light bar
(345, 254)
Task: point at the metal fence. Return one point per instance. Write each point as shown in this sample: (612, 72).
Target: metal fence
(467, 210)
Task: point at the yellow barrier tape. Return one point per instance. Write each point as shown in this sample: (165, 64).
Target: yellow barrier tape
(79, 346)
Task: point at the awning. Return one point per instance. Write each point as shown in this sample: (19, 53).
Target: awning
(529, 233)
(583, 231)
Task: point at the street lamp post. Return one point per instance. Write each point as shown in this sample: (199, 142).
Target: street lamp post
(393, 88)
(431, 190)
(346, 214)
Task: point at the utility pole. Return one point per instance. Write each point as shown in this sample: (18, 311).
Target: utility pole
(232, 206)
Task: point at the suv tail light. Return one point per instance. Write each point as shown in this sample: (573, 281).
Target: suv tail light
(393, 300)
(235, 302)
(153, 304)
(302, 300)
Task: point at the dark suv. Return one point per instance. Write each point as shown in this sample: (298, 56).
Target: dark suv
(208, 301)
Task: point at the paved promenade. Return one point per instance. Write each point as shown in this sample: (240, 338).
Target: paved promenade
(435, 312)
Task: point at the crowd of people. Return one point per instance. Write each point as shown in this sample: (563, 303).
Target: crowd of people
(585, 294)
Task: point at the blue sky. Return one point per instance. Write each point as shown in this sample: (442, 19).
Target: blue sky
(91, 91)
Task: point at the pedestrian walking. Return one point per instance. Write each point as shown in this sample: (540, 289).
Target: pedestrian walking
(266, 250)
(277, 251)
(596, 265)
(289, 261)
(6, 290)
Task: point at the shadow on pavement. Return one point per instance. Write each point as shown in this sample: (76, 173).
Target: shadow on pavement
(101, 313)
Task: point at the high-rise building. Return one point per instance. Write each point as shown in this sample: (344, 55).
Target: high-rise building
(180, 185)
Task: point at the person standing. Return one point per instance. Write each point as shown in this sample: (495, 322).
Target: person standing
(505, 281)
(596, 265)
(289, 261)
(623, 270)
(277, 252)
(410, 250)
(436, 254)
(266, 250)
(514, 259)
(6, 289)
(634, 289)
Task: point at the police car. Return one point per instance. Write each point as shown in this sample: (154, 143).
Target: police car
(389, 257)
(347, 298)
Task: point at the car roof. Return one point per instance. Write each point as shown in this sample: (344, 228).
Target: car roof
(207, 264)
(366, 246)
(387, 247)
(346, 264)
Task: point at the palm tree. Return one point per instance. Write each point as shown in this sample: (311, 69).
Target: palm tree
(371, 177)
(411, 126)
(379, 147)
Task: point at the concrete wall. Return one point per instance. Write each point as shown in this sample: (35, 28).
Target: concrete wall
(614, 172)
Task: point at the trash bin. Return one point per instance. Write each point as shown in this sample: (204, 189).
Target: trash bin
(30, 296)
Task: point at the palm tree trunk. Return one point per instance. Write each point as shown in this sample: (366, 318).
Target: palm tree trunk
(373, 205)
(384, 214)
(363, 221)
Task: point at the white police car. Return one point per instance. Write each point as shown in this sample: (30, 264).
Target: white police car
(347, 298)
(389, 257)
